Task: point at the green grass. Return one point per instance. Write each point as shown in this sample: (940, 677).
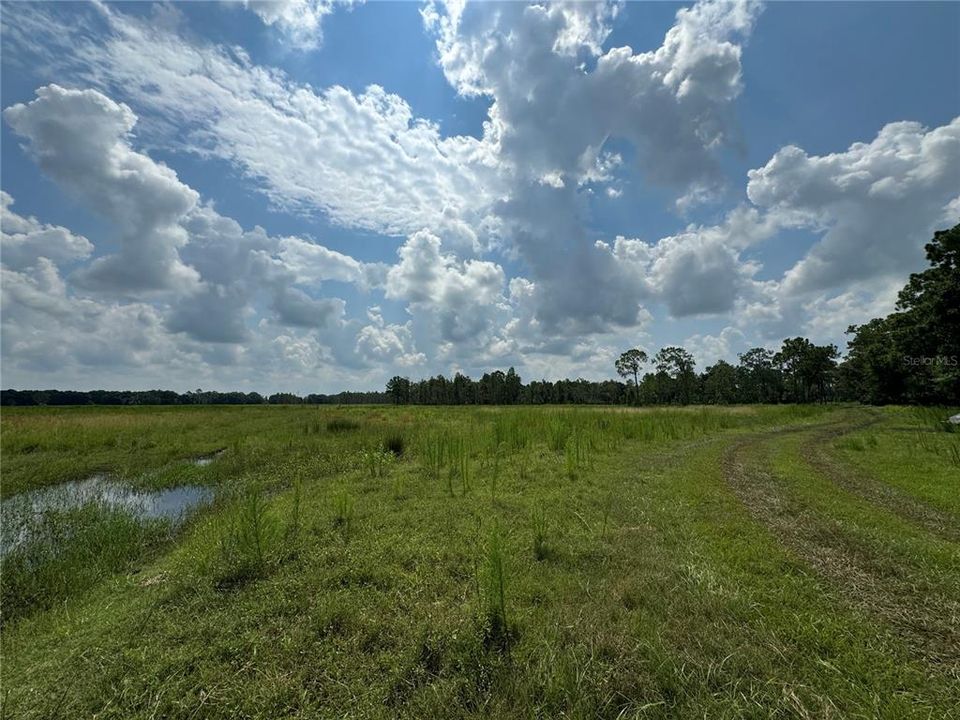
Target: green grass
(506, 562)
(70, 551)
(912, 451)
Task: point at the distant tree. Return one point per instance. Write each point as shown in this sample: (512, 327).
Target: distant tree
(807, 368)
(398, 388)
(789, 360)
(678, 365)
(913, 354)
(874, 370)
(512, 387)
(629, 363)
(463, 390)
(759, 378)
(720, 384)
(817, 369)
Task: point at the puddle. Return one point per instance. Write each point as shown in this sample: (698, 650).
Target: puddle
(174, 504)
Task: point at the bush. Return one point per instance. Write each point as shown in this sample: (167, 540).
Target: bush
(394, 443)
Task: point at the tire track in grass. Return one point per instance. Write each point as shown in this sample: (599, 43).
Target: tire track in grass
(928, 624)
(816, 454)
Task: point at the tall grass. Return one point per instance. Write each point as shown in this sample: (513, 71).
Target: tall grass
(378, 462)
(497, 630)
(460, 461)
(342, 424)
(955, 454)
(494, 475)
(434, 450)
(343, 513)
(71, 550)
(511, 432)
(293, 521)
(538, 518)
(443, 450)
(394, 443)
(935, 418)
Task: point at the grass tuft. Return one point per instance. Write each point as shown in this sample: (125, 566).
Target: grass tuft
(343, 513)
(538, 518)
(342, 424)
(394, 443)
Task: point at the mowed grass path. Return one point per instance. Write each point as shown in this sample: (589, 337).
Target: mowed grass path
(510, 562)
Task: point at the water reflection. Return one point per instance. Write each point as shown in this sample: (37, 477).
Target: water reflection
(17, 514)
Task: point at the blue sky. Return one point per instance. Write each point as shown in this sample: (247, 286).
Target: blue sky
(770, 170)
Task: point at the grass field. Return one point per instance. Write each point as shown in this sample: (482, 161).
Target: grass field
(737, 562)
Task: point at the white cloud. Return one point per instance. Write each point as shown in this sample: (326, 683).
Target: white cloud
(313, 263)
(551, 116)
(45, 328)
(24, 240)
(364, 159)
(877, 203)
(299, 20)
(388, 343)
(192, 285)
(557, 99)
(460, 299)
(369, 163)
(708, 349)
(81, 139)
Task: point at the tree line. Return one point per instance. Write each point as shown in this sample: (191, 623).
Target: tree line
(799, 372)
(191, 397)
(912, 356)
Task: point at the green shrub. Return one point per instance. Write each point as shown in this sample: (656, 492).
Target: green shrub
(248, 539)
(394, 443)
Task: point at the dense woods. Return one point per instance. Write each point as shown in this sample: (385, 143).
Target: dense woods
(912, 356)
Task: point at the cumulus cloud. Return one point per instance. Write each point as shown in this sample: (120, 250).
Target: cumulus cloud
(708, 349)
(388, 343)
(46, 328)
(368, 162)
(294, 307)
(551, 116)
(238, 279)
(699, 271)
(558, 98)
(313, 263)
(499, 262)
(299, 20)
(80, 138)
(877, 202)
(459, 298)
(363, 158)
(24, 240)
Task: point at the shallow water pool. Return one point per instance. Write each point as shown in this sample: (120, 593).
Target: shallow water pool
(17, 513)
